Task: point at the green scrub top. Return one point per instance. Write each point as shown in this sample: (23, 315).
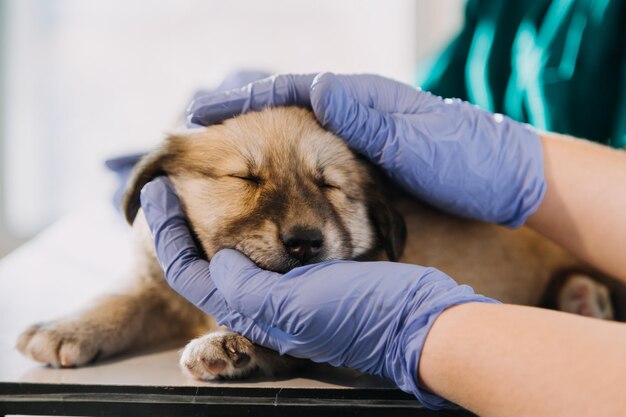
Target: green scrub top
(559, 65)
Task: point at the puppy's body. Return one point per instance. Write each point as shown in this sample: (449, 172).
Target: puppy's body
(513, 266)
(280, 189)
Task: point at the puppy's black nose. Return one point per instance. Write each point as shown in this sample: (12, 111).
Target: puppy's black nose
(303, 243)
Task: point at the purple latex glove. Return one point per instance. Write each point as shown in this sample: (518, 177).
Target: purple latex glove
(370, 316)
(450, 153)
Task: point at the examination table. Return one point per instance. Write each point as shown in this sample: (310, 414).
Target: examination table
(63, 268)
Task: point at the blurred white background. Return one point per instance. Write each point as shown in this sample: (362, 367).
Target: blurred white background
(86, 80)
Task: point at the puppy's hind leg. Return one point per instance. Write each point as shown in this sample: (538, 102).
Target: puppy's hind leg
(581, 294)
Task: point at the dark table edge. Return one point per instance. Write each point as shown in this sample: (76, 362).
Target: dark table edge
(132, 400)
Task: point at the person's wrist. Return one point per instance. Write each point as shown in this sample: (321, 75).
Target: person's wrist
(448, 353)
(434, 295)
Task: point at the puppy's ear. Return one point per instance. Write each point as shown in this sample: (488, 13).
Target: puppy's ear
(148, 167)
(390, 227)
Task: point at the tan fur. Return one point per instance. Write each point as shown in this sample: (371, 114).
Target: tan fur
(244, 184)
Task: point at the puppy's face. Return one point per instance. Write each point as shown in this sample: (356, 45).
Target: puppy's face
(277, 187)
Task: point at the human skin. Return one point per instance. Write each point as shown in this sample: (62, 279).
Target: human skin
(517, 361)
(584, 205)
(507, 360)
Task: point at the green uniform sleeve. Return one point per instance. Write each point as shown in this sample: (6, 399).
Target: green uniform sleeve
(559, 65)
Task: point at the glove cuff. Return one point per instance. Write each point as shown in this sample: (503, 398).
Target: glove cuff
(527, 187)
(402, 362)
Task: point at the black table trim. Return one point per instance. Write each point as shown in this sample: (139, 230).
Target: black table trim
(157, 401)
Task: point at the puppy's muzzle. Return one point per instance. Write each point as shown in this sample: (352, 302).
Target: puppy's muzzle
(303, 243)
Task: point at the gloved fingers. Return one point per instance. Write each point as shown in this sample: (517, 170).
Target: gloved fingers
(282, 302)
(185, 270)
(380, 93)
(277, 90)
(167, 222)
(244, 285)
(353, 111)
(289, 302)
(259, 333)
(291, 312)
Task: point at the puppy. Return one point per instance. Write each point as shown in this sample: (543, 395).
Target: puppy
(285, 192)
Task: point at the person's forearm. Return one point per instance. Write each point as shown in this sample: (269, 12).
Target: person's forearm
(513, 360)
(585, 202)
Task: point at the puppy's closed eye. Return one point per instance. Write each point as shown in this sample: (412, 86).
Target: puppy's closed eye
(250, 178)
(323, 183)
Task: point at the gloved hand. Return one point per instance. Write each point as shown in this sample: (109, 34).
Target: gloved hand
(450, 153)
(371, 316)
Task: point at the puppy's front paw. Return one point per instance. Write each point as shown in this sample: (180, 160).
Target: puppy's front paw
(60, 343)
(220, 354)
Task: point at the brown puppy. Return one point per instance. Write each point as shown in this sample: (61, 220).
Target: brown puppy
(285, 192)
